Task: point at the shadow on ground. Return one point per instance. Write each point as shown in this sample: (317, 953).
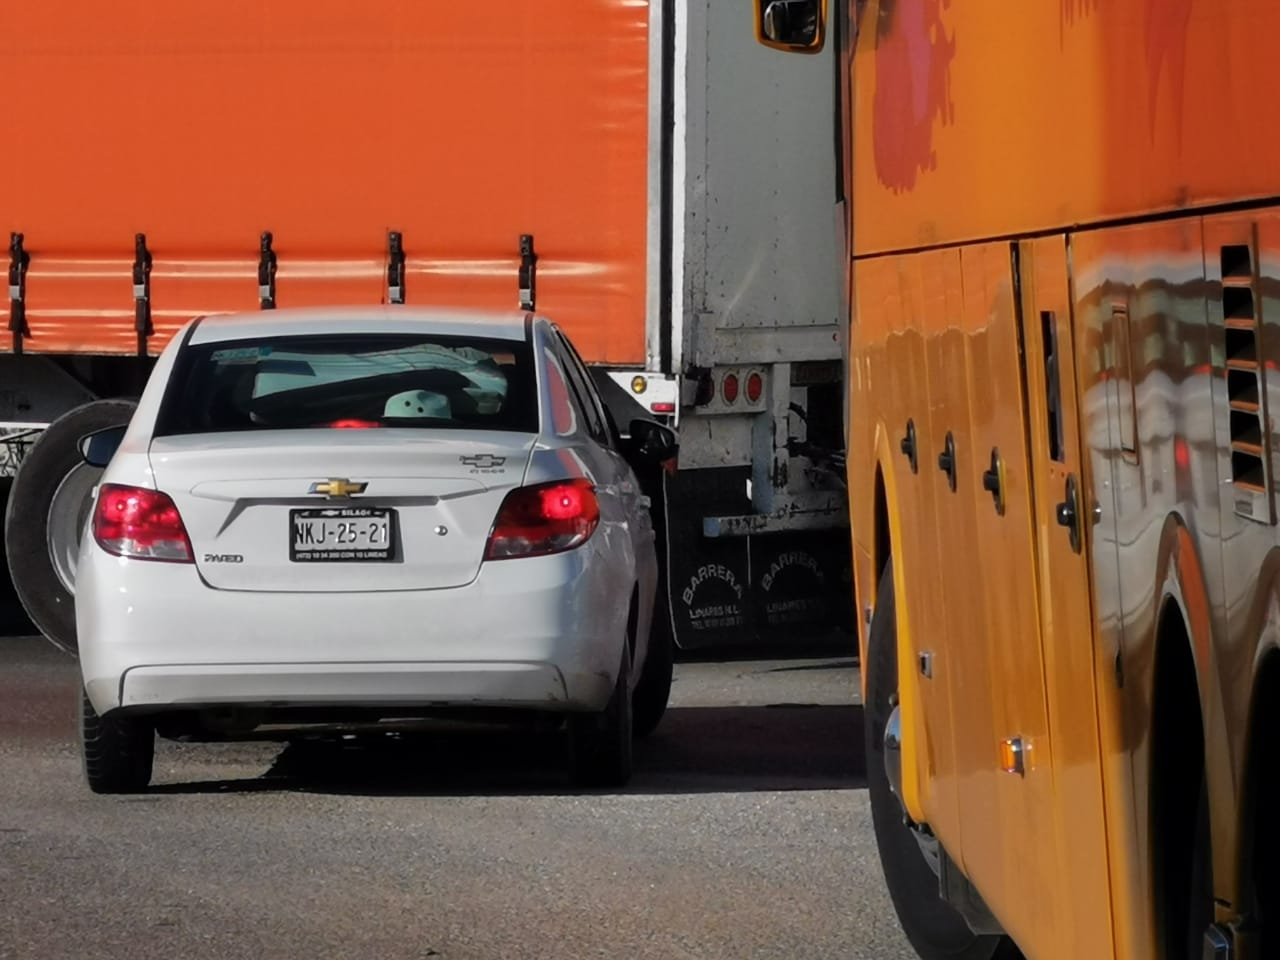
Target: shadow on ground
(695, 750)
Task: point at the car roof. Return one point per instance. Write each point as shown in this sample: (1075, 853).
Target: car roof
(301, 321)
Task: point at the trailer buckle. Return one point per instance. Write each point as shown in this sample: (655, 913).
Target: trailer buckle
(395, 267)
(19, 260)
(528, 272)
(142, 291)
(266, 273)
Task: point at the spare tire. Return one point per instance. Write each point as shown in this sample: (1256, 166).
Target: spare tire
(48, 507)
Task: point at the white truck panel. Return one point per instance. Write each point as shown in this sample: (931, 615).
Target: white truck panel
(759, 184)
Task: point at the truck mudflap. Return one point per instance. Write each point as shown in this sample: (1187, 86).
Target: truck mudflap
(780, 590)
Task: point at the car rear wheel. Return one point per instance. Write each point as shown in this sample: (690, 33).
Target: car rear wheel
(601, 742)
(117, 751)
(46, 516)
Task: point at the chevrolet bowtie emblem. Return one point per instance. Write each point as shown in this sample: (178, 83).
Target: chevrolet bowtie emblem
(337, 488)
(482, 461)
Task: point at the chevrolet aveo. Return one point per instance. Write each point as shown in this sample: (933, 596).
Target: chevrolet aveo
(332, 516)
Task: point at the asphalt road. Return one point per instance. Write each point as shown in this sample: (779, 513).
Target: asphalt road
(746, 833)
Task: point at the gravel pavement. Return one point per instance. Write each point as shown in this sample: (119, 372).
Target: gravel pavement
(746, 833)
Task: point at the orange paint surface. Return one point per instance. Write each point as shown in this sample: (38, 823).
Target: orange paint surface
(982, 120)
(328, 124)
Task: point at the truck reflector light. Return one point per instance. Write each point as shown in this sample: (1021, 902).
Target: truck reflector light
(755, 387)
(544, 519)
(141, 524)
(729, 388)
(661, 407)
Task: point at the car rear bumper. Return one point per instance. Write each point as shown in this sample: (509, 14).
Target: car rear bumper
(381, 684)
(544, 633)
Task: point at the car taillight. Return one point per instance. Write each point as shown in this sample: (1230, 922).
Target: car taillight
(542, 519)
(140, 523)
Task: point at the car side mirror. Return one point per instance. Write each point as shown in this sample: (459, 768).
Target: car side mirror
(653, 441)
(97, 448)
(796, 26)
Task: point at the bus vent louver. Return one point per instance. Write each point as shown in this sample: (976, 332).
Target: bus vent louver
(1246, 393)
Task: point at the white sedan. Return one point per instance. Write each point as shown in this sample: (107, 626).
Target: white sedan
(367, 514)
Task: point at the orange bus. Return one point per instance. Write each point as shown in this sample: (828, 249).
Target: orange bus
(1064, 288)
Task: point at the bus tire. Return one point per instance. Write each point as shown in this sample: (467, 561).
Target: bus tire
(935, 929)
(40, 541)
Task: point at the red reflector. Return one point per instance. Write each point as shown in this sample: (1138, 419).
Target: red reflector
(140, 523)
(755, 387)
(1181, 453)
(662, 407)
(730, 387)
(543, 519)
(354, 424)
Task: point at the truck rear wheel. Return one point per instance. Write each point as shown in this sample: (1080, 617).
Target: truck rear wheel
(48, 508)
(935, 929)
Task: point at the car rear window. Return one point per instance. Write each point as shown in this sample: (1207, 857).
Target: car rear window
(365, 380)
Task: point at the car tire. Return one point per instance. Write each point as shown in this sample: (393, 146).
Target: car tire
(934, 928)
(601, 742)
(51, 460)
(653, 689)
(118, 752)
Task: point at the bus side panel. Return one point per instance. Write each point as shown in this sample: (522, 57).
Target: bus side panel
(1175, 524)
(994, 640)
(892, 391)
(982, 119)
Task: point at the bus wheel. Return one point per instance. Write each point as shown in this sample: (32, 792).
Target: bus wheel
(935, 929)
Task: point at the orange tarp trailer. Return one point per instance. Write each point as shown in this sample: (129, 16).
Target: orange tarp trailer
(331, 126)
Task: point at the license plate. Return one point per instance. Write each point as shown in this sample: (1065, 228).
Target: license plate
(340, 534)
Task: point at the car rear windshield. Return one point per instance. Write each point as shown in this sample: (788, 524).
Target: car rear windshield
(352, 381)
